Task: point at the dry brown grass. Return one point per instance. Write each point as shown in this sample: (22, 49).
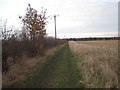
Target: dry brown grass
(23, 67)
(98, 62)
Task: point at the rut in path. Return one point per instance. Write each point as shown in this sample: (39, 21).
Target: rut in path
(60, 71)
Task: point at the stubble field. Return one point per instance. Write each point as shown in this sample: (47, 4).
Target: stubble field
(98, 62)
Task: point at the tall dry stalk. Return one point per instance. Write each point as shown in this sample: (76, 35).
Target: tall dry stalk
(98, 62)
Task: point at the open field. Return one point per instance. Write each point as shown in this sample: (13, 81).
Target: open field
(89, 64)
(98, 61)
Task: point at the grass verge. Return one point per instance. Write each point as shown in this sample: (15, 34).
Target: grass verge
(59, 71)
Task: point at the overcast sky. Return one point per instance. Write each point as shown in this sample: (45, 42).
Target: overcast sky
(77, 18)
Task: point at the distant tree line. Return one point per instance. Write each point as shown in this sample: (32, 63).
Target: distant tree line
(92, 38)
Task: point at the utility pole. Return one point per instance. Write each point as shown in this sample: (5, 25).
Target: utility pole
(55, 26)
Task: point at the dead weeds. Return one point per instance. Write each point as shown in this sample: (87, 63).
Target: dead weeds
(23, 67)
(100, 62)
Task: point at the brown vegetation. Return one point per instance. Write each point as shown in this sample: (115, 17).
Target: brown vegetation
(23, 52)
(19, 71)
(98, 62)
(31, 42)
